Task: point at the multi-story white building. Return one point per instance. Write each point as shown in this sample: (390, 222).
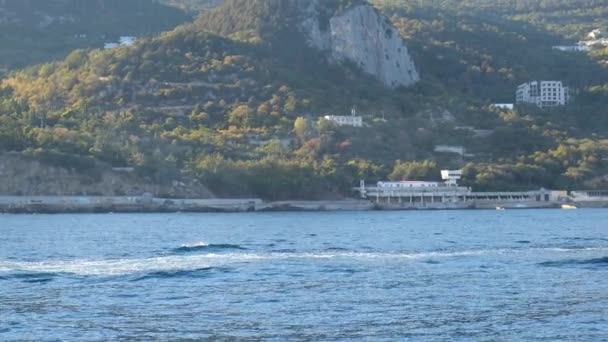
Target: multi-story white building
(543, 93)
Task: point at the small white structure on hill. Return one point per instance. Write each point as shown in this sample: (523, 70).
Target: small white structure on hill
(543, 93)
(508, 106)
(352, 120)
(122, 41)
(460, 150)
(572, 48)
(595, 37)
(451, 177)
(593, 42)
(595, 34)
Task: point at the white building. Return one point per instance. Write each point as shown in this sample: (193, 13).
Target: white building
(450, 149)
(595, 37)
(593, 42)
(451, 177)
(126, 40)
(122, 41)
(572, 48)
(595, 34)
(343, 120)
(543, 93)
(507, 106)
(355, 121)
(407, 185)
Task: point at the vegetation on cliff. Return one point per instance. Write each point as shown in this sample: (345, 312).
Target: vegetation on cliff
(35, 31)
(220, 102)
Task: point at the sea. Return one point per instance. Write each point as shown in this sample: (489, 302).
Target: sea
(513, 275)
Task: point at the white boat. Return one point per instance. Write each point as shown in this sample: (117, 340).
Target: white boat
(568, 206)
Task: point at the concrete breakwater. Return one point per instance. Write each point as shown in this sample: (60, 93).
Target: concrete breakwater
(149, 204)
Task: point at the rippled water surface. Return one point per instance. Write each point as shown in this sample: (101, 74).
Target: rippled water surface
(422, 276)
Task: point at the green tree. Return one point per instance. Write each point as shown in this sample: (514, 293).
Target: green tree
(302, 129)
(414, 170)
(239, 115)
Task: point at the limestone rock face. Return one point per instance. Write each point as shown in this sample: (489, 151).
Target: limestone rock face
(365, 37)
(27, 176)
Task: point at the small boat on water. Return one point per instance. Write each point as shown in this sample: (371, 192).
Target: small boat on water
(500, 208)
(568, 206)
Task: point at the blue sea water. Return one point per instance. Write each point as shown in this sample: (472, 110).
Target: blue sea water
(530, 275)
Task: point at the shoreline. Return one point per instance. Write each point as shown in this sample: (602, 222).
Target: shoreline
(149, 205)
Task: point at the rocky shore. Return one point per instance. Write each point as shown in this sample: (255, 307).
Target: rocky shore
(148, 204)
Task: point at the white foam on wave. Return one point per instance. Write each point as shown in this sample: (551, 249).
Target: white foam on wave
(195, 245)
(190, 262)
(570, 250)
(124, 266)
(117, 267)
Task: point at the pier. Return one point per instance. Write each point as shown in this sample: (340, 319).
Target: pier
(449, 195)
(445, 197)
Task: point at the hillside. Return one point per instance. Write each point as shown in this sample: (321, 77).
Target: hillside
(45, 173)
(34, 31)
(345, 31)
(569, 19)
(235, 103)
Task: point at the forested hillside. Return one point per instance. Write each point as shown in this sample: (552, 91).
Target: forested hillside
(570, 19)
(236, 103)
(34, 31)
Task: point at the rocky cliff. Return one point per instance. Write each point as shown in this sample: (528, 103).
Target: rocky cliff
(365, 37)
(21, 175)
(353, 31)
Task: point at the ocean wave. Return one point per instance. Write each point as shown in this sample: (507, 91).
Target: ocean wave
(570, 249)
(336, 249)
(193, 262)
(203, 246)
(175, 263)
(196, 273)
(284, 250)
(118, 267)
(31, 277)
(587, 239)
(595, 262)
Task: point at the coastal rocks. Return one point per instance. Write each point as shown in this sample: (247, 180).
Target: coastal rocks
(25, 176)
(362, 36)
